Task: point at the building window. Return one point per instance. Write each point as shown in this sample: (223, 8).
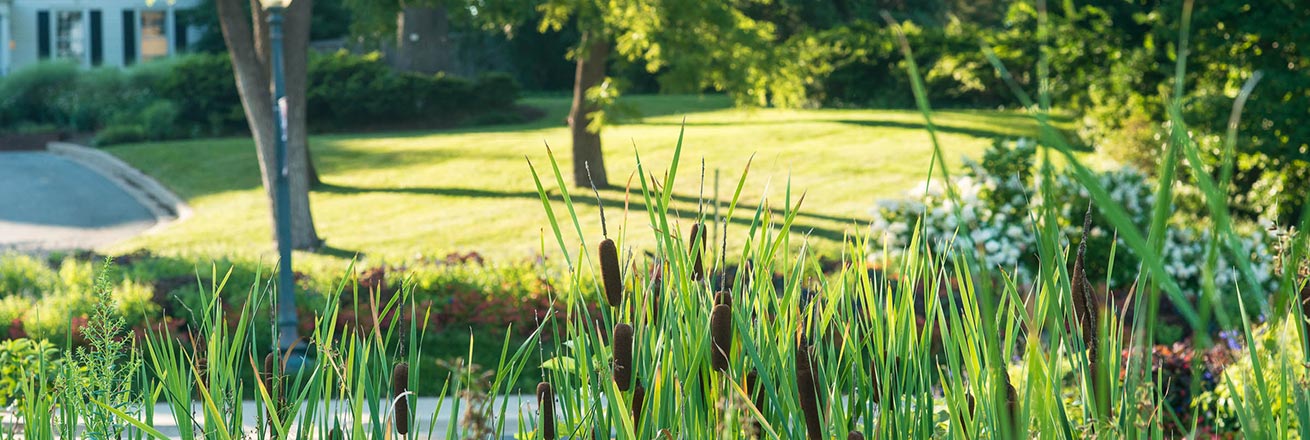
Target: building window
(70, 35)
(154, 35)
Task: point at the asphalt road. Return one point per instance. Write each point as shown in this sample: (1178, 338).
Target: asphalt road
(48, 202)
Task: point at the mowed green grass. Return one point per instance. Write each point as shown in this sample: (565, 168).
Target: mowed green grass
(394, 196)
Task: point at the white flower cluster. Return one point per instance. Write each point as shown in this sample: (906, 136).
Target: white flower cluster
(1185, 255)
(996, 219)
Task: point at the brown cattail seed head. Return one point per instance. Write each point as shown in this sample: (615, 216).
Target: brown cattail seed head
(721, 335)
(400, 389)
(546, 403)
(808, 393)
(271, 380)
(622, 356)
(696, 247)
(609, 272)
(855, 435)
(875, 386)
(1012, 405)
(724, 298)
(638, 400)
(656, 289)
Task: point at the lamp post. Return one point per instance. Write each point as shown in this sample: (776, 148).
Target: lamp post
(288, 338)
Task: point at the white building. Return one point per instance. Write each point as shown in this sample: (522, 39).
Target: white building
(90, 32)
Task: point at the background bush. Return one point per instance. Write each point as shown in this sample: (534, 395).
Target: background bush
(998, 220)
(195, 95)
(360, 91)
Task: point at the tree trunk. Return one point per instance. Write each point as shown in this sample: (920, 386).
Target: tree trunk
(423, 40)
(586, 143)
(248, 46)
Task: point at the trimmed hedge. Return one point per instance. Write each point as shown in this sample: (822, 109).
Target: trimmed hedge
(195, 95)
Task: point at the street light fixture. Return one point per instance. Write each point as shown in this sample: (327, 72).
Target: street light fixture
(288, 338)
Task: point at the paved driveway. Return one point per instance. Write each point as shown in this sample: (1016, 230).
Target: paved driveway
(48, 202)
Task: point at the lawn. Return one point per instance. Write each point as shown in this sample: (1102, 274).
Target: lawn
(394, 196)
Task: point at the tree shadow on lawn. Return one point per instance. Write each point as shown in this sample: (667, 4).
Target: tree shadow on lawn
(744, 216)
(1016, 125)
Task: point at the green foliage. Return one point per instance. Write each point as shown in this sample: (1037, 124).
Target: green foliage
(352, 91)
(120, 134)
(201, 86)
(109, 361)
(29, 94)
(194, 95)
(496, 90)
(19, 359)
(159, 120)
(1277, 347)
(25, 276)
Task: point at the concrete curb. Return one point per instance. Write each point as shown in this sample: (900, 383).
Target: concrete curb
(166, 206)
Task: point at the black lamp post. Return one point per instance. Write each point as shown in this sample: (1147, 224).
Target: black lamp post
(288, 337)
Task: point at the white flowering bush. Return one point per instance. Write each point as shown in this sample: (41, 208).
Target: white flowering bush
(997, 220)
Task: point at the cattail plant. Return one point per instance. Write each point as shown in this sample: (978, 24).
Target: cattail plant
(656, 289)
(271, 381)
(609, 254)
(757, 393)
(808, 392)
(874, 385)
(622, 356)
(546, 404)
(696, 248)
(721, 335)
(400, 389)
(1011, 406)
(723, 298)
(855, 435)
(609, 272)
(638, 400)
(1085, 306)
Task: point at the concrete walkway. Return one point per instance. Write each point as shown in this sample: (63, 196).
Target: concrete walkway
(74, 197)
(430, 425)
(426, 426)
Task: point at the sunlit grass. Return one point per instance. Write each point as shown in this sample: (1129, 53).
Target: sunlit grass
(391, 196)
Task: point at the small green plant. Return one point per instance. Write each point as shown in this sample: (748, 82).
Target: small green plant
(106, 367)
(19, 358)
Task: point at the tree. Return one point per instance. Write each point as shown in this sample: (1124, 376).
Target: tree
(246, 34)
(694, 45)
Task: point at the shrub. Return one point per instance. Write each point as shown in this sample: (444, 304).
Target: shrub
(496, 90)
(28, 94)
(159, 120)
(349, 89)
(202, 87)
(996, 220)
(23, 275)
(439, 95)
(361, 90)
(95, 96)
(19, 358)
(120, 134)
